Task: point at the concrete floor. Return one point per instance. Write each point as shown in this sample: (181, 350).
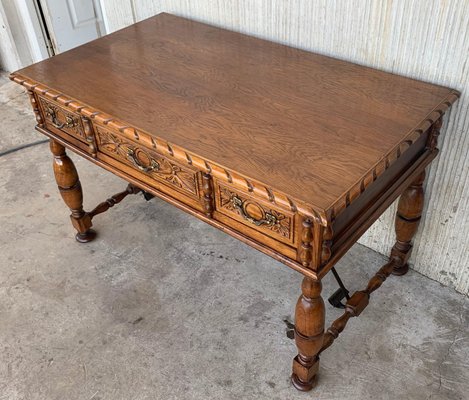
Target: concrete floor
(162, 306)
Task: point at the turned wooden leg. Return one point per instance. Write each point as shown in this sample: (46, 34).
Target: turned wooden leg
(407, 221)
(70, 188)
(309, 334)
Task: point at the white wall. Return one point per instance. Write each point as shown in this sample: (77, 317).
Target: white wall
(424, 39)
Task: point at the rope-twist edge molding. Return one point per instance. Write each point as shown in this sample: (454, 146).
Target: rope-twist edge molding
(320, 216)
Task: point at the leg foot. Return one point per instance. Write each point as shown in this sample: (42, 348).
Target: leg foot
(70, 189)
(398, 271)
(309, 334)
(408, 216)
(301, 386)
(86, 237)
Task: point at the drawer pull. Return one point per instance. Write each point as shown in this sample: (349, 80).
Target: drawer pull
(70, 122)
(154, 165)
(268, 219)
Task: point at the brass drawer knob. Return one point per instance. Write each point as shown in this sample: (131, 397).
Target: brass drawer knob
(154, 165)
(240, 205)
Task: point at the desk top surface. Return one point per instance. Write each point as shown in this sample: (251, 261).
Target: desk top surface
(302, 124)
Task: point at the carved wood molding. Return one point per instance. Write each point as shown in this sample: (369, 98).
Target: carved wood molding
(35, 105)
(319, 215)
(90, 136)
(306, 249)
(434, 133)
(207, 189)
(326, 244)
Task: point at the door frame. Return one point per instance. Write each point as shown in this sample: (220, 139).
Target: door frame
(43, 26)
(44, 9)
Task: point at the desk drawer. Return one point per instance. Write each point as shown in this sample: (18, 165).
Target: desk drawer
(58, 117)
(148, 162)
(264, 218)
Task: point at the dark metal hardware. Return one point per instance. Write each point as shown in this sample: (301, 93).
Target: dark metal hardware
(70, 122)
(290, 329)
(147, 196)
(269, 219)
(342, 293)
(154, 165)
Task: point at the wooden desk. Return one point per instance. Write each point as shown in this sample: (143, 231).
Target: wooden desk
(294, 153)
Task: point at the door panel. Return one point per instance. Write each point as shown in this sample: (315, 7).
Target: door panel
(72, 22)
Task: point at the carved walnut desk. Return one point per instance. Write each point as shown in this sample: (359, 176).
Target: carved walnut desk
(293, 153)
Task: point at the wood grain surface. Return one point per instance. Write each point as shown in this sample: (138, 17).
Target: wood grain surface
(303, 124)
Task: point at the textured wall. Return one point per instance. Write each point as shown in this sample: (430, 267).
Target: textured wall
(9, 58)
(424, 39)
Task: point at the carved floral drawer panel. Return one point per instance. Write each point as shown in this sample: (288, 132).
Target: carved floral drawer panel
(58, 117)
(178, 177)
(263, 217)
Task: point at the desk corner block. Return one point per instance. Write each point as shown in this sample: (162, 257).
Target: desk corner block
(314, 249)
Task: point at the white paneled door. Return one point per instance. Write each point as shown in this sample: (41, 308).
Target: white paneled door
(72, 22)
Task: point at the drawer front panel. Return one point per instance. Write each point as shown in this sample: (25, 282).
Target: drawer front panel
(60, 118)
(148, 162)
(263, 217)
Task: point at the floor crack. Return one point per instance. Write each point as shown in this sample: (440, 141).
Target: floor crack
(23, 146)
